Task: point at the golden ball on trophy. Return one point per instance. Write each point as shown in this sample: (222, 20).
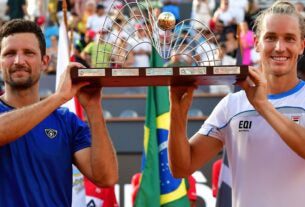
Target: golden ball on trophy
(166, 21)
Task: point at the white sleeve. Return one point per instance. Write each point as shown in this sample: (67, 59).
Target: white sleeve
(216, 121)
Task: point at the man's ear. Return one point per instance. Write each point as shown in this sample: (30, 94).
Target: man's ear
(45, 62)
(256, 45)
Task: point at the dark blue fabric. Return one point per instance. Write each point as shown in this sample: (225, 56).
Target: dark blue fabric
(36, 169)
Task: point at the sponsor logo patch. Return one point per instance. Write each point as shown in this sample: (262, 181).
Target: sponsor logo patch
(244, 126)
(51, 133)
(296, 119)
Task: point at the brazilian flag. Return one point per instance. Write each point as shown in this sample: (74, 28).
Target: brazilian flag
(157, 185)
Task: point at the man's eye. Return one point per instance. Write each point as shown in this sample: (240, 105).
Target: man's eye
(290, 39)
(270, 38)
(8, 54)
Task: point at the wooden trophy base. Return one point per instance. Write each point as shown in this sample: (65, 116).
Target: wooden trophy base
(161, 76)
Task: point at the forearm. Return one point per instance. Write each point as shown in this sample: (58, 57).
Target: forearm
(292, 134)
(18, 122)
(178, 145)
(103, 156)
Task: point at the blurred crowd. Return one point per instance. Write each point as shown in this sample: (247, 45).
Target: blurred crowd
(230, 20)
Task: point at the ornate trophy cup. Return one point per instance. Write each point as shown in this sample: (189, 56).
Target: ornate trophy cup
(195, 45)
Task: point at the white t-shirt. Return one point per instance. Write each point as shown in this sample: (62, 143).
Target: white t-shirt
(208, 53)
(96, 23)
(142, 44)
(265, 171)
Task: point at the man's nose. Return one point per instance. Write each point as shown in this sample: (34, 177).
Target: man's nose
(19, 59)
(280, 45)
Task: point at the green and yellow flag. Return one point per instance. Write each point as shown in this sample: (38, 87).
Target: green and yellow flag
(157, 186)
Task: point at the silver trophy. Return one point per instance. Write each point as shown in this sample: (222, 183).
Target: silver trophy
(189, 49)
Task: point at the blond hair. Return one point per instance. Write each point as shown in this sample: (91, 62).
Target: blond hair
(279, 7)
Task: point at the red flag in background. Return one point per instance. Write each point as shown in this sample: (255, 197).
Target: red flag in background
(99, 197)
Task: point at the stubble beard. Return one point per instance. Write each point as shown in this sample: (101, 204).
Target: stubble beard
(21, 84)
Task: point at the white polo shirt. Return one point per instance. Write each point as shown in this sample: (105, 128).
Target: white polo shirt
(265, 171)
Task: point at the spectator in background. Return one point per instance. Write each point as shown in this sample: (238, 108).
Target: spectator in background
(252, 12)
(206, 51)
(246, 39)
(117, 29)
(3, 10)
(98, 52)
(52, 53)
(59, 6)
(50, 29)
(223, 55)
(89, 10)
(201, 12)
(225, 60)
(180, 56)
(123, 56)
(52, 9)
(73, 21)
(16, 9)
(40, 21)
(35, 8)
(238, 9)
(231, 43)
(135, 17)
(99, 20)
(141, 47)
(224, 15)
(86, 39)
(76, 56)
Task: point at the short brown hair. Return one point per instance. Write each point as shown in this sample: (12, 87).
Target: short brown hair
(23, 26)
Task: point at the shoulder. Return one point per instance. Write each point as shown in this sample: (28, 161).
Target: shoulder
(239, 95)
(65, 113)
(62, 110)
(235, 98)
(67, 118)
(234, 103)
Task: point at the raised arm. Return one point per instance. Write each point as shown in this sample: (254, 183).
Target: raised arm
(99, 162)
(185, 156)
(19, 121)
(292, 134)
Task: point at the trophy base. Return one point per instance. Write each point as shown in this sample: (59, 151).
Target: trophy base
(161, 76)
